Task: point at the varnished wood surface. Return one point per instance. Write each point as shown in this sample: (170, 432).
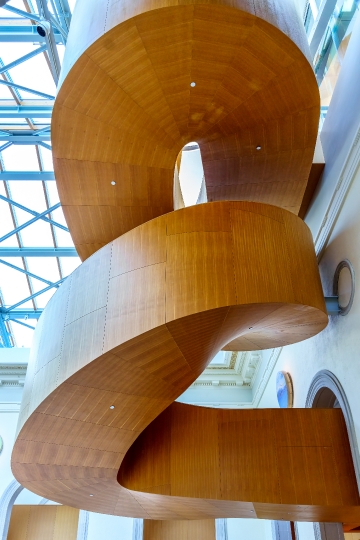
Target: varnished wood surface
(126, 108)
(273, 457)
(44, 522)
(179, 530)
(134, 326)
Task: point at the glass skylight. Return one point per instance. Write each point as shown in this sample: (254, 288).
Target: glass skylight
(21, 278)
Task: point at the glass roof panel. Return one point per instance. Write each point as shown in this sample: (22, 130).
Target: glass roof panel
(47, 164)
(16, 286)
(27, 73)
(4, 91)
(20, 158)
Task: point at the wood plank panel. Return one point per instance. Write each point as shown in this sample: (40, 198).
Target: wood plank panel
(250, 462)
(30, 522)
(179, 530)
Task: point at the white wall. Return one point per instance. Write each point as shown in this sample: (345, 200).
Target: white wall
(249, 529)
(337, 347)
(103, 527)
(306, 531)
(7, 431)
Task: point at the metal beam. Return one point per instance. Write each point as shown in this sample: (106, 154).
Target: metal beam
(24, 300)
(22, 13)
(24, 34)
(26, 272)
(30, 222)
(5, 146)
(50, 41)
(25, 112)
(23, 314)
(26, 89)
(25, 139)
(47, 146)
(27, 175)
(4, 334)
(23, 59)
(23, 324)
(63, 12)
(33, 213)
(38, 252)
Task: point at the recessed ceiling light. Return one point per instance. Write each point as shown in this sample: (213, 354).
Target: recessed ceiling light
(112, 406)
(113, 183)
(91, 495)
(192, 84)
(258, 148)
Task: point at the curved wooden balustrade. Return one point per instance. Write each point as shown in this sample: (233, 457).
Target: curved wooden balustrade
(135, 325)
(126, 108)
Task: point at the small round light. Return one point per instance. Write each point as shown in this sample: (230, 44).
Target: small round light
(193, 84)
(258, 148)
(113, 183)
(112, 406)
(91, 495)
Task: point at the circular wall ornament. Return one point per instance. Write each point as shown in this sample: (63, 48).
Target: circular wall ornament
(1, 444)
(344, 286)
(284, 390)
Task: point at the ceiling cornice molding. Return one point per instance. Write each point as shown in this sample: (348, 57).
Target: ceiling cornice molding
(339, 195)
(12, 375)
(9, 407)
(202, 382)
(241, 371)
(230, 359)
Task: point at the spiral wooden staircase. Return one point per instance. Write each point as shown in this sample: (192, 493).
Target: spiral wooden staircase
(162, 291)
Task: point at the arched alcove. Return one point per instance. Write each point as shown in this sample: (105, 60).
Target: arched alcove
(325, 392)
(6, 503)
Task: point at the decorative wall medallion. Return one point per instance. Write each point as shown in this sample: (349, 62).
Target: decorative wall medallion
(284, 390)
(1, 444)
(344, 286)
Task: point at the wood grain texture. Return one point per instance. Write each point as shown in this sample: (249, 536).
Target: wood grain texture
(133, 327)
(287, 460)
(126, 109)
(30, 522)
(179, 530)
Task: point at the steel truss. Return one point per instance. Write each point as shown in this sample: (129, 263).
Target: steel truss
(45, 23)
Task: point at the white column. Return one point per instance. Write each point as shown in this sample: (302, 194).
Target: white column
(83, 525)
(221, 529)
(281, 530)
(329, 531)
(138, 529)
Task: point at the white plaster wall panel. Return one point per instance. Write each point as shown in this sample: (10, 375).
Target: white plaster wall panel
(102, 526)
(249, 529)
(337, 347)
(305, 531)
